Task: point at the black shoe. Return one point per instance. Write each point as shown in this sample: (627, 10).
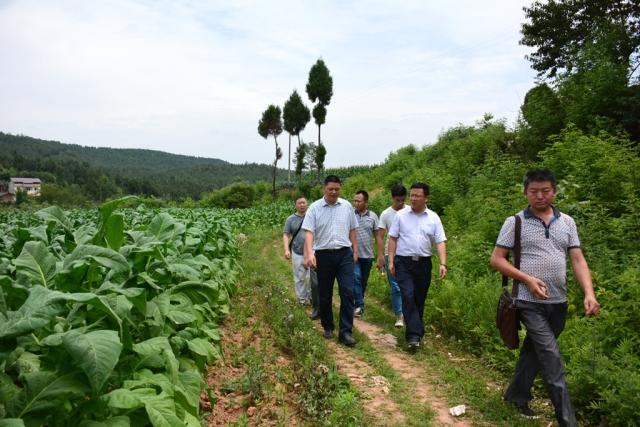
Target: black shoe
(413, 345)
(315, 315)
(347, 340)
(328, 333)
(526, 412)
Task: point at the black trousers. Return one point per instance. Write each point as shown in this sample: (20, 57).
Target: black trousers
(414, 278)
(540, 353)
(332, 265)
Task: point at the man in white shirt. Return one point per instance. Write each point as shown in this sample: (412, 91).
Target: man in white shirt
(331, 247)
(398, 197)
(412, 234)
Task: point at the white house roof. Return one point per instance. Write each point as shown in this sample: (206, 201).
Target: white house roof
(26, 180)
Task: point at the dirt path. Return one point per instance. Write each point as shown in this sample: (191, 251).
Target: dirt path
(375, 389)
(411, 371)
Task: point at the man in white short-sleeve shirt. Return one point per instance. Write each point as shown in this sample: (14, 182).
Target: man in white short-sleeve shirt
(413, 233)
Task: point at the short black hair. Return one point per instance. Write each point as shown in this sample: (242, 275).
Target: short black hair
(398, 190)
(365, 195)
(422, 185)
(332, 178)
(539, 175)
(301, 196)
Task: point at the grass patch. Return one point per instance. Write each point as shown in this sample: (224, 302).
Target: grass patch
(324, 396)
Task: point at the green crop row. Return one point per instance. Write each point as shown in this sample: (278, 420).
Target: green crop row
(108, 317)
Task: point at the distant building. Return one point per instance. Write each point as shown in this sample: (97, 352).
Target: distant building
(30, 185)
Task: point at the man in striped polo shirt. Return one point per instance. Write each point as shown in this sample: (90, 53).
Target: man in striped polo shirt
(330, 231)
(366, 233)
(547, 236)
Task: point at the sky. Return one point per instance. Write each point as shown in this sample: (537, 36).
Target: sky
(193, 77)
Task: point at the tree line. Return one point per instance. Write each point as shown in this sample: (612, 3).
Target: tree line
(296, 116)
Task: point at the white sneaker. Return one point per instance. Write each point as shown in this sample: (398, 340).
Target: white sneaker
(358, 312)
(399, 321)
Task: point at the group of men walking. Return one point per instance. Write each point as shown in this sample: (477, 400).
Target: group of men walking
(331, 240)
(339, 245)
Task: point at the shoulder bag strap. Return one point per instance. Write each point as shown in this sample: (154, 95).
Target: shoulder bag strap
(517, 246)
(295, 234)
(517, 249)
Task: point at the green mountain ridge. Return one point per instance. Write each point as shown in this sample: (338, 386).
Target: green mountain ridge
(126, 170)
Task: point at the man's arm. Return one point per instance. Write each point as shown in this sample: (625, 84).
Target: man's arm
(353, 236)
(393, 243)
(500, 262)
(309, 256)
(285, 242)
(442, 255)
(583, 276)
(380, 232)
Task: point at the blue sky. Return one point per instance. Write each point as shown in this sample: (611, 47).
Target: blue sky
(193, 77)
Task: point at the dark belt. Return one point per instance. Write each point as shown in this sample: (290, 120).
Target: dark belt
(413, 258)
(331, 251)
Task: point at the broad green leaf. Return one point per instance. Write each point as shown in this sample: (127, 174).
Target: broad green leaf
(191, 421)
(41, 306)
(107, 208)
(12, 422)
(162, 412)
(120, 421)
(163, 226)
(157, 352)
(181, 317)
(39, 233)
(45, 390)
(204, 348)
(36, 263)
(184, 271)
(57, 215)
(5, 283)
(123, 398)
(104, 256)
(114, 231)
(84, 234)
(96, 353)
(8, 390)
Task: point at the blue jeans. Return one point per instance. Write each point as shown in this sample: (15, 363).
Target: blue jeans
(336, 264)
(361, 270)
(396, 295)
(540, 353)
(414, 278)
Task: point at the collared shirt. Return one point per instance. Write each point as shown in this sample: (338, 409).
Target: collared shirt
(544, 251)
(330, 224)
(386, 219)
(290, 227)
(367, 226)
(416, 233)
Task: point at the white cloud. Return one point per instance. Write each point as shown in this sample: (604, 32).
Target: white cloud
(194, 77)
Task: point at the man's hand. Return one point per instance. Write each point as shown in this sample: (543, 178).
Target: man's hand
(310, 261)
(392, 268)
(591, 306)
(287, 254)
(443, 271)
(538, 288)
(380, 262)
(355, 257)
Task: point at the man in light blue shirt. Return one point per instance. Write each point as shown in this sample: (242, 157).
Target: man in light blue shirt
(412, 234)
(331, 247)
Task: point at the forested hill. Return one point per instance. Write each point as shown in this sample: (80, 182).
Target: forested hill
(102, 172)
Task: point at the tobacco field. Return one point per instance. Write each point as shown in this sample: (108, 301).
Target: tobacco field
(109, 316)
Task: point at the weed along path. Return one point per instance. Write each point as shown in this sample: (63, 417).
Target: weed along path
(278, 370)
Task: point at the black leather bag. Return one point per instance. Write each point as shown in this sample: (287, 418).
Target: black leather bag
(507, 319)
